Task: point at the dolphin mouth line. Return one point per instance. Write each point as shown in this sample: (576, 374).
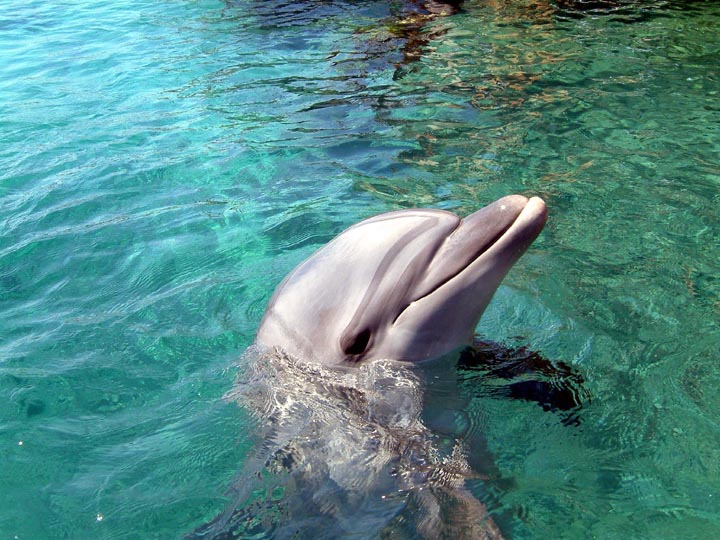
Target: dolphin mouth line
(534, 224)
(479, 253)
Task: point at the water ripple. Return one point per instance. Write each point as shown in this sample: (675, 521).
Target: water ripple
(164, 164)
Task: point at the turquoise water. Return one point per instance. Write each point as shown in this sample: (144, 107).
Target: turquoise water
(164, 164)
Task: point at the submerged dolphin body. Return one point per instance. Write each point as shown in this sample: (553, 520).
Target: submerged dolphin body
(408, 285)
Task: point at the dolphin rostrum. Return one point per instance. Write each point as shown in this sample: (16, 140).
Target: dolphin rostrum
(408, 285)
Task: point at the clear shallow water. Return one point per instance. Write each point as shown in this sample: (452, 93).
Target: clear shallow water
(163, 165)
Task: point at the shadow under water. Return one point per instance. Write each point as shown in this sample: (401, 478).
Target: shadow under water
(521, 373)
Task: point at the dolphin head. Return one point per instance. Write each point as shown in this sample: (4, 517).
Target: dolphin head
(408, 285)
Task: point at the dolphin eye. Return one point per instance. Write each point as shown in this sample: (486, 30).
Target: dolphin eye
(355, 344)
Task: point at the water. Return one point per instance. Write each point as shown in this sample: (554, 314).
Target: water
(165, 164)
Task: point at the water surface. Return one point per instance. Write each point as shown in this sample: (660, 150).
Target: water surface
(164, 164)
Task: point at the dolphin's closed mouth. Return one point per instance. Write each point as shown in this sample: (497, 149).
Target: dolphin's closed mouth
(504, 228)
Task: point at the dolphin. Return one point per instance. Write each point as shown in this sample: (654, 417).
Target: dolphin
(354, 451)
(408, 285)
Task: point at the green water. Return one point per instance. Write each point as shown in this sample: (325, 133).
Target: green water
(164, 164)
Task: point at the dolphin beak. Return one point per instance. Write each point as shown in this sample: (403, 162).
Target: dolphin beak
(527, 226)
(509, 225)
(465, 272)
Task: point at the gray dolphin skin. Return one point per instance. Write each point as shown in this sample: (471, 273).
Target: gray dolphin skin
(409, 285)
